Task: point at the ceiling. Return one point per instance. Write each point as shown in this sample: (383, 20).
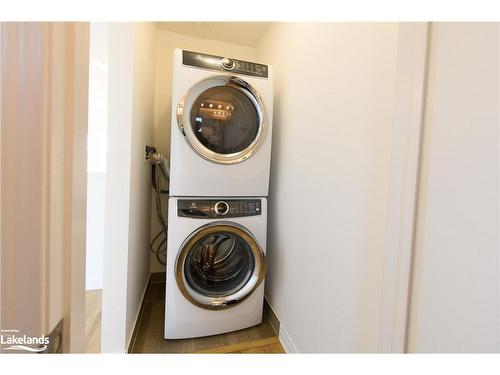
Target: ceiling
(243, 33)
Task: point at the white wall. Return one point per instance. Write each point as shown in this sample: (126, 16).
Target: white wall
(334, 94)
(140, 184)
(128, 190)
(166, 42)
(456, 293)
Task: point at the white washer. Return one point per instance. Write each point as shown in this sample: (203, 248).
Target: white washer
(221, 126)
(216, 265)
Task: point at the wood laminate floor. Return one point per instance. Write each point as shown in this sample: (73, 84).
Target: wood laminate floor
(93, 302)
(148, 335)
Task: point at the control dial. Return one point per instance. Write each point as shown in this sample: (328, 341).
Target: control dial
(227, 63)
(221, 208)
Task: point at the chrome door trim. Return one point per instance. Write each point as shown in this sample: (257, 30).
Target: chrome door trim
(213, 303)
(193, 142)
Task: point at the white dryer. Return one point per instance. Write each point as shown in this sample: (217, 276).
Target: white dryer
(221, 126)
(216, 265)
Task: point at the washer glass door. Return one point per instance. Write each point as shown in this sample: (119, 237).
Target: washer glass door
(219, 265)
(222, 118)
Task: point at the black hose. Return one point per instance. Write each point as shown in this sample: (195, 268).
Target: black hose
(159, 243)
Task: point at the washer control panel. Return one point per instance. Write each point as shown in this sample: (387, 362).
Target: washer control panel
(220, 63)
(218, 208)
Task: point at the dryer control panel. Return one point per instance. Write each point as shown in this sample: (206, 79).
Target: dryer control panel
(225, 64)
(218, 208)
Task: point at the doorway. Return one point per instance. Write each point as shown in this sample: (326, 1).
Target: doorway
(96, 184)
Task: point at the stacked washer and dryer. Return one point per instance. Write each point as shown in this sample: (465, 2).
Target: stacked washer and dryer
(219, 181)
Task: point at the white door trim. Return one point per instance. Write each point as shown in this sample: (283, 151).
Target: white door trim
(405, 152)
(498, 203)
(76, 82)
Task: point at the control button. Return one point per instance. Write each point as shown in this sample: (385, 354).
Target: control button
(227, 64)
(221, 208)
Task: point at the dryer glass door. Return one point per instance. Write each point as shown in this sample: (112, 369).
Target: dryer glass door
(219, 265)
(223, 119)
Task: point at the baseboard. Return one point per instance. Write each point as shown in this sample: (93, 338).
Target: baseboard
(133, 336)
(273, 318)
(279, 329)
(286, 341)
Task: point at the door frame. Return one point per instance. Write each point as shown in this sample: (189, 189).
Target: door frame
(410, 90)
(53, 137)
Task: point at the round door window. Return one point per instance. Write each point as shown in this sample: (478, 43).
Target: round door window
(219, 265)
(223, 119)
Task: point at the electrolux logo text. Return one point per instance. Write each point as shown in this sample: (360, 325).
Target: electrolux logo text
(12, 340)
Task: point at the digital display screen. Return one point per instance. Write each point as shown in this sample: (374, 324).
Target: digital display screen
(211, 62)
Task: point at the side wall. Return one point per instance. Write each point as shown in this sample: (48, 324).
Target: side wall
(128, 191)
(115, 262)
(334, 95)
(140, 172)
